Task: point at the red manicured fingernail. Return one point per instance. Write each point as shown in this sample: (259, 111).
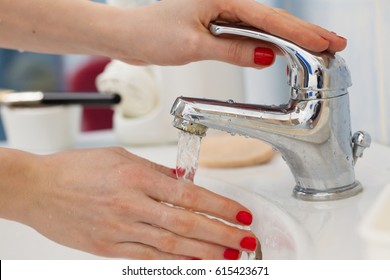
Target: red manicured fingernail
(179, 172)
(248, 243)
(244, 217)
(231, 254)
(174, 172)
(195, 259)
(263, 56)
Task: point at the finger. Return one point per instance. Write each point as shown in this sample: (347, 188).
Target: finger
(336, 42)
(173, 244)
(170, 172)
(197, 226)
(290, 28)
(131, 250)
(187, 195)
(247, 53)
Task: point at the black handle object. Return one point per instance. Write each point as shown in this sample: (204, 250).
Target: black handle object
(84, 98)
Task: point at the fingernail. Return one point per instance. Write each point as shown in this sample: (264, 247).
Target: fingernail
(248, 243)
(231, 254)
(244, 217)
(341, 37)
(174, 172)
(195, 259)
(263, 56)
(179, 172)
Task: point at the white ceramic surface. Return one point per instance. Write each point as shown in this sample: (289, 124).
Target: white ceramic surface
(375, 227)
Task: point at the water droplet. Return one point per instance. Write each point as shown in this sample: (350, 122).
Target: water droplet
(230, 101)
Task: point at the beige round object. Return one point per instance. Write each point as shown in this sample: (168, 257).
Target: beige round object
(225, 151)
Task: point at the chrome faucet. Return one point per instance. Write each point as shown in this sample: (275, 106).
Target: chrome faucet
(312, 132)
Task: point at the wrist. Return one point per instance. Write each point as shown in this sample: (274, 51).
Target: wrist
(18, 184)
(122, 33)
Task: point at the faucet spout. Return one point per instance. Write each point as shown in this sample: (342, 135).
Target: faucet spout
(312, 132)
(318, 152)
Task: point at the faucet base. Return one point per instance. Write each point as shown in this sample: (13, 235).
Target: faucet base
(330, 194)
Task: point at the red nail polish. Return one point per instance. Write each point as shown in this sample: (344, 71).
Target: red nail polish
(174, 172)
(248, 243)
(231, 254)
(179, 172)
(195, 259)
(244, 217)
(264, 56)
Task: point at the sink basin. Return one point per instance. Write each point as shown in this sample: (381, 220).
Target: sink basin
(286, 227)
(332, 228)
(280, 234)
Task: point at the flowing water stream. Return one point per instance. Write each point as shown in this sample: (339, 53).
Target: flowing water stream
(186, 167)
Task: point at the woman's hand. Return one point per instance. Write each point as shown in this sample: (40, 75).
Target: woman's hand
(108, 202)
(173, 32)
(169, 32)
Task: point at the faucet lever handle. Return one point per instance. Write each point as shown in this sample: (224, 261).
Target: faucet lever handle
(308, 71)
(361, 140)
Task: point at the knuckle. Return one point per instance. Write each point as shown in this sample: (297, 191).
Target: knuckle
(235, 51)
(185, 226)
(168, 243)
(103, 249)
(190, 47)
(149, 254)
(268, 20)
(189, 197)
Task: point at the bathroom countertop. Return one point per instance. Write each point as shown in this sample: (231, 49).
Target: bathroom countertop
(331, 228)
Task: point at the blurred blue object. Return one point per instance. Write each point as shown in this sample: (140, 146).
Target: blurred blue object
(22, 71)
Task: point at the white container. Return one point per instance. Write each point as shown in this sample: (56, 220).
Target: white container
(375, 227)
(43, 129)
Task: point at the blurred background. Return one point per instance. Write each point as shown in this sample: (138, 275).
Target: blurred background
(363, 22)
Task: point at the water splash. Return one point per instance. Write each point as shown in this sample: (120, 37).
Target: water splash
(187, 156)
(186, 167)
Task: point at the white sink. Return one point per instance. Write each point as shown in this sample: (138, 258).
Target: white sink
(331, 229)
(286, 227)
(280, 234)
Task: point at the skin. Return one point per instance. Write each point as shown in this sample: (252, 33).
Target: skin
(112, 207)
(169, 32)
(108, 201)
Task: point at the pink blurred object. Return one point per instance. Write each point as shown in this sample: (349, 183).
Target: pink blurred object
(83, 80)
